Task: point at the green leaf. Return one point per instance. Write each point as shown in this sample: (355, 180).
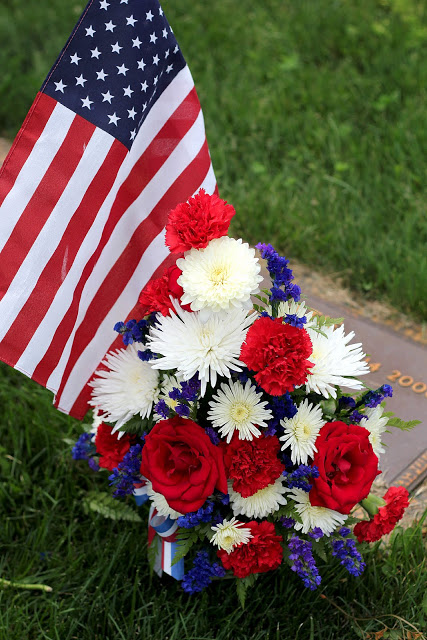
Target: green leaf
(152, 553)
(394, 421)
(242, 586)
(137, 425)
(319, 548)
(326, 321)
(185, 539)
(109, 507)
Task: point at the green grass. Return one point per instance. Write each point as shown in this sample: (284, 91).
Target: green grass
(315, 113)
(98, 569)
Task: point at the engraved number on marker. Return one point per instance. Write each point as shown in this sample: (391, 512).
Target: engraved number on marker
(394, 376)
(406, 381)
(419, 387)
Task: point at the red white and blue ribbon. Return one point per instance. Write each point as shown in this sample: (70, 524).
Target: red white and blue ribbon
(140, 493)
(165, 528)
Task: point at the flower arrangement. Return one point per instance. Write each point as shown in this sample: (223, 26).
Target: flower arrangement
(228, 416)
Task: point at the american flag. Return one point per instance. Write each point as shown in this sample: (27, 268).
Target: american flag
(114, 139)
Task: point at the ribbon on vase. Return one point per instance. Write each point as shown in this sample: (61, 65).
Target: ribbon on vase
(162, 532)
(140, 492)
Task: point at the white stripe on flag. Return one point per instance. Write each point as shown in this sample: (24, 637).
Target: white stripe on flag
(187, 149)
(165, 106)
(34, 169)
(167, 557)
(50, 236)
(95, 351)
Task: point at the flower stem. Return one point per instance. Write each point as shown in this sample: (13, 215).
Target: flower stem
(23, 585)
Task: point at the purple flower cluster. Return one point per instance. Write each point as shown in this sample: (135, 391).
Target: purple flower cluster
(188, 392)
(132, 331)
(214, 437)
(202, 573)
(345, 550)
(127, 473)
(355, 417)
(295, 321)
(192, 519)
(84, 447)
(146, 355)
(300, 477)
(288, 523)
(280, 274)
(373, 398)
(303, 562)
(281, 407)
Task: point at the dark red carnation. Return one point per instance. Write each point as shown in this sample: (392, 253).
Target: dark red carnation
(155, 297)
(110, 448)
(347, 467)
(278, 352)
(182, 463)
(262, 553)
(386, 518)
(195, 223)
(252, 464)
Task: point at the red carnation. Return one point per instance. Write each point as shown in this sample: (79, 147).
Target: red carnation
(347, 466)
(279, 353)
(155, 296)
(386, 518)
(110, 448)
(262, 553)
(193, 224)
(252, 464)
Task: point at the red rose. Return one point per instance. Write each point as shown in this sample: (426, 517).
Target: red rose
(262, 553)
(252, 464)
(279, 353)
(347, 466)
(386, 518)
(182, 463)
(110, 448)
(195, 223)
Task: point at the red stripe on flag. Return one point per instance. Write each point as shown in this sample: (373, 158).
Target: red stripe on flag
(144, 170)
(184, 186)
(48, 192)
(27, 137)
(20, 333)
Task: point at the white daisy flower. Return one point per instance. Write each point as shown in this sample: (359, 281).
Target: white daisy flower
(327, 519)
(301, 432)
(220, 277)
(208, 348)
(238, 407)
(293, 308)
(335, 361)
(128, 388)
(230, 533)
(376, 425)
(261, 504)
(160, 503)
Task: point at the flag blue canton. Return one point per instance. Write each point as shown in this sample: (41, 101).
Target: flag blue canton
(117, 62)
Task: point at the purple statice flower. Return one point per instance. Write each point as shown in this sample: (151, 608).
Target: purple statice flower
(224, 498)
(127, 473)
(276, 265)
(293, 291)
(190, 389)
(162, 409)
(288, 523)
(146, 355)
(182, 410)
(303, 562)
(355, 417)
(346, 551)
(295, 321)
(194, 518)
(84, 447)
(93, 464)
(316, 533)
(281, 407)
(278, 295)
(346, 403)
(132, 331)
(202, 573)
(214, 437)
(372, 399)
(300, 477)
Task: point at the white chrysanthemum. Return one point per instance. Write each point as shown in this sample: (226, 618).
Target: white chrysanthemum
(129, 387)
(261, 504)
(327, 519)
(208, 348)
(376, 425)
(230, 533)
(96, 421)
(223, 275)
(301, 432)
(159, 501)
(238, 407)
(335, 361)
(293, 308)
